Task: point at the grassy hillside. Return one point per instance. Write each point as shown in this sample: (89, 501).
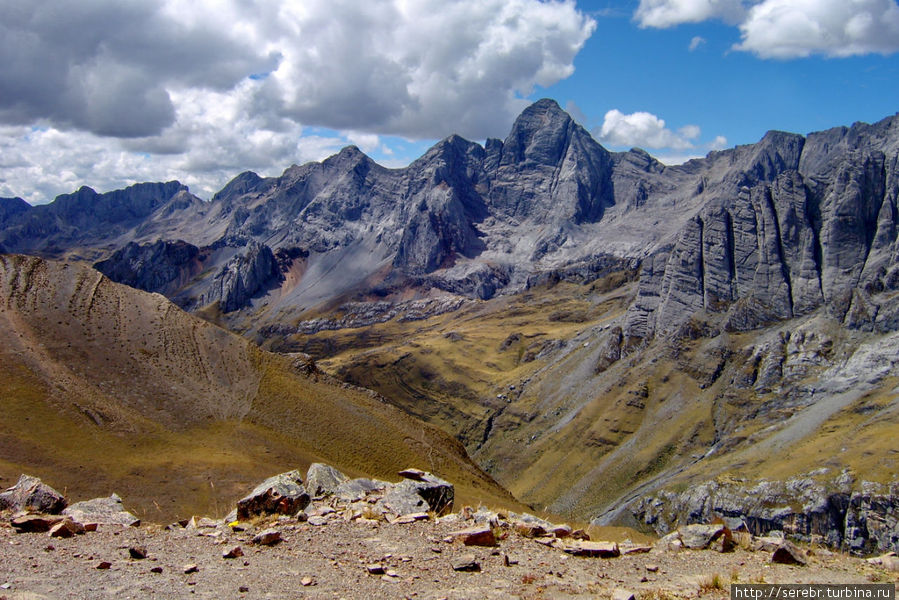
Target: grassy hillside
(533, 386)
(108, 389)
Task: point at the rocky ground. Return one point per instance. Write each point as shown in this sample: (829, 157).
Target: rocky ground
(350, 545)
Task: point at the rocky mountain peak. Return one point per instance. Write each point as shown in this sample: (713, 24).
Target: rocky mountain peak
(540, 135)
(244, 183)
(775, 153)
(348, 156)
(138, 200)
(10, 207)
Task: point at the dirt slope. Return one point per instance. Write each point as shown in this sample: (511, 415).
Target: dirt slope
(108, 387)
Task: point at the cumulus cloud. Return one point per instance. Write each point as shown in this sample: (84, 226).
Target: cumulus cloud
(424, 68)
(215, 85)
(799, 28)
(107, 66)
(668, 13)
(788, 28)
(696, 42)
(644, 130)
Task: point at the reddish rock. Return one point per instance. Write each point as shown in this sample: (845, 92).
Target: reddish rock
(561, 531)
(475, 536)
(267, 537)
(413, 474)
(580, 534)
(66, 529)
(627, 549)
(31, 523)
(528, 529)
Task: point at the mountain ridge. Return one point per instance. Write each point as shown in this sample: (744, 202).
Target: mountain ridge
(715, 302)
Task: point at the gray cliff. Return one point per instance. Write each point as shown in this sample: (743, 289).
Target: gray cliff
(747, 236)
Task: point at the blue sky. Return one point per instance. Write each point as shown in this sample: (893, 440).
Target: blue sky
(201, 90)
(732, 93)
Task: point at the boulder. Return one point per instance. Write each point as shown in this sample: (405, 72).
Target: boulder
(767, 544)
(788, 554)
(561, 531)
(323, 480)
(103, 511)
(66, 528)
(430, 493)
(357, 489)
(671, 542)
(466, 563)
(890, 563)
(530, 526)
(281, 494)
(267, 537)
(630, 548)
(475, 536)
(32, 495)
(700, 537)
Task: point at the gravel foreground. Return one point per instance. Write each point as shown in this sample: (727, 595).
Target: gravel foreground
(373, 559)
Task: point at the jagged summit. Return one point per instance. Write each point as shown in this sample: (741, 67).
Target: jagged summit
(477, 220)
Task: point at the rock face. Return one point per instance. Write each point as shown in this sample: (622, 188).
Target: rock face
(152, 267)
(88, 218)
(755, 234)
(242, 277)
(32, 495)
(861, 518)
(795, 223)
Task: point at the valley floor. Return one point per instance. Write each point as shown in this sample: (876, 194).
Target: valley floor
(331, 561)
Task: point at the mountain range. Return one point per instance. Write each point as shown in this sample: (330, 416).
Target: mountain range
(595, 327)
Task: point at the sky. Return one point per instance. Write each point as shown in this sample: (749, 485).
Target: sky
(107, 93)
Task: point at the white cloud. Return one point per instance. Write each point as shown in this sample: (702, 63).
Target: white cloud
(696, 42)
(668, 13)
(800, 28)
(719, 143)
(367, 142)
(644, 130)
(788, 28)
(680, 157)
(199, 90)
